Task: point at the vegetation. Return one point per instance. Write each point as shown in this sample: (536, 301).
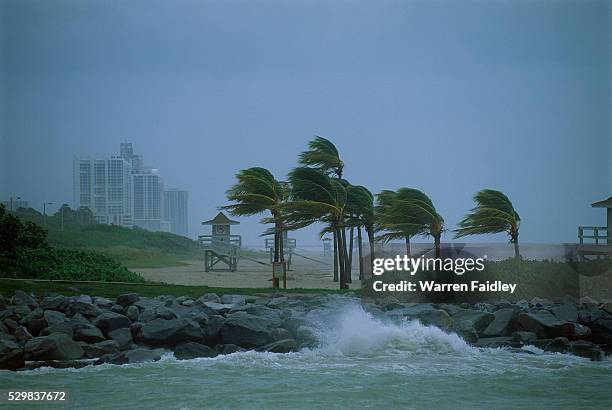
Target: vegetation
(25, 253)
(493, 213)
(132, 247)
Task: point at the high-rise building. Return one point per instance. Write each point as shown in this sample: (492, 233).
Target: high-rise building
(104, 185)
(148, 199)
(175, 210)
(14, 204)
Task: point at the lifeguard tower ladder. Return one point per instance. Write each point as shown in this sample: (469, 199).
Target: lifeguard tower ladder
(221, 246)
(289, 245)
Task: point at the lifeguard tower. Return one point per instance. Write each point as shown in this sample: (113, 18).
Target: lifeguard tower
(289, 245)
(221, 246)
(600, 237)
(327, 251)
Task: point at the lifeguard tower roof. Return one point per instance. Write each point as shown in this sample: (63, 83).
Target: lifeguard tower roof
(606, 203)
(221, 219)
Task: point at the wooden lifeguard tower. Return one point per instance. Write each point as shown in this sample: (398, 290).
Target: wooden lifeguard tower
(600, 237)
(327, 251)
(220, 246)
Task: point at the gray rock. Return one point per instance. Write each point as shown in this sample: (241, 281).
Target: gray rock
(127, 299)
(246, 330)
(188, 302)
(480, 320)
(580, 332)
(219, 308)
(85, 299)
(306, 336)
(139, 355)
(209, 297)
(281, 346)
(587, 349)
(160, 332)
(233, 300)
(58, 302)
(165, 313)
(10, 325)
(122, 336)
(280, 334)
(212, 331)
(100, 349)
(558, 345)
(109, 321)
(102, 303)
(88, 310)
(277, 303)
(132, 313)
(192, 350)
(22, 298)
(57, 322)
(566, 312)
(117, 309)
(465, 329)
(229, 349)
(544, 324)
(22, 335)
(56, 346)
(527, 338)
(502, 324)
(35, 326)
(87, 333)
(602, 331)
(79, 319)
(11, 355)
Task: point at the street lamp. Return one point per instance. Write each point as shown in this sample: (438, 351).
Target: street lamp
(45, 211)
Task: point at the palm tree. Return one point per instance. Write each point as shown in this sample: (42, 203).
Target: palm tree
(493, 213)
(256, 192)
(406, 213)
(323, 155)
(315, 196)
(360, 206)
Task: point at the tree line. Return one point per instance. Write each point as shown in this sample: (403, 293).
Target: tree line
(316, 191)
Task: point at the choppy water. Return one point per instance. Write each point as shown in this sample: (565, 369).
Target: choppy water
(363, 362)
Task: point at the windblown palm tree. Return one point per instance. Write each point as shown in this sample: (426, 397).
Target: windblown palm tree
(323, 155)
(361, 215)
(316, 197)
(256, 192)
(493, 213)
(407, 213)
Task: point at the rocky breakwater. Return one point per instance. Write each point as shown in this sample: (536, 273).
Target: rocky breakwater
(582, 328)
(61, 331)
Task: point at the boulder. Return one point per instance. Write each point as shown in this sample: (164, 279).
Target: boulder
(280, 334)
(10, 325)
(127, 299)
(246, 330)
(117, 309)
(57, 322)
(479, 319)
(85, 299)
(100, 349)
(138, 355)
(109, 321)
(586, 349)
(161, 332)
(209, 297)
(306, 336)
(57, 346)
(22, 298)
(132, 313)
(502, 324)
(219, 308)
(558, 345)
(122, 336)
(22, 335)
(496, 342)
(87, 333)
(88, 310)
(522, 337)
(165, 313)
(233, 300)
(566, 312)
(35, 326)
(465, 329)
(426, 314)
(58, 302)
(602, 331)
(212, 331)
(544, 324)
(281, 346)
(192, 350)
(580, 332)
(102, 303)
(228, 349)
(11, 355)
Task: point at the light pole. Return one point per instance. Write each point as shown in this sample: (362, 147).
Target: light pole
(45, 212)
(11, 202)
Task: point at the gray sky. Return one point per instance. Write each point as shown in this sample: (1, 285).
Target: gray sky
(446, 96)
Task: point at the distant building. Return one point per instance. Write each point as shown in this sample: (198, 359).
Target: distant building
(15, 204)
(175, 210)
(104, 185)
(148, 189)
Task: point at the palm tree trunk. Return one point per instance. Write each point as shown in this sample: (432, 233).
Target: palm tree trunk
(335, 255)
(517, 253)
(437, 246)
(349, 267)
(408, 247)
(360, 249)
(275, 282)
(343, 257)
(370, 232)
(281, 254)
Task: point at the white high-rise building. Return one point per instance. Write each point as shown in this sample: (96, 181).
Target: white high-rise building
(148, 188)
(104, 185)
(175, 210)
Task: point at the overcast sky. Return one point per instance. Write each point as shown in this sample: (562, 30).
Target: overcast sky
(446, 96)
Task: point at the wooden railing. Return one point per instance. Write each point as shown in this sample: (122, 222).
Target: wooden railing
(225, 245)
(597, 233)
